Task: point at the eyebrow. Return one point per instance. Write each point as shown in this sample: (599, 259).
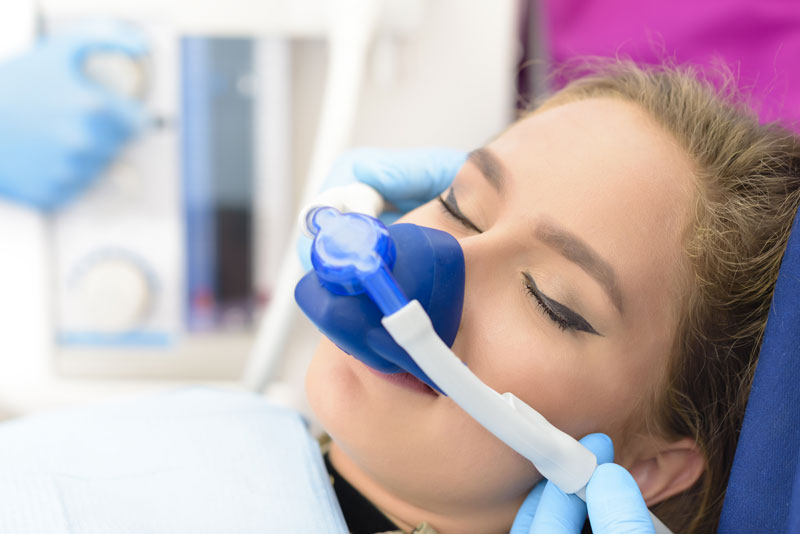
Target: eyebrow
(491, 167)
(579, 252)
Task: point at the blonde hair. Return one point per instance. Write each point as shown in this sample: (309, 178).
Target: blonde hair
(747, 193)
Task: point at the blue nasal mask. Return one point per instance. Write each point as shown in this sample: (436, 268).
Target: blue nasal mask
(352, 252)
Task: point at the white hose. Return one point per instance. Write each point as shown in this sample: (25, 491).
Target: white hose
(558, 456)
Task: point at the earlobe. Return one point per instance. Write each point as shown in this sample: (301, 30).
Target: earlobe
(674, 468)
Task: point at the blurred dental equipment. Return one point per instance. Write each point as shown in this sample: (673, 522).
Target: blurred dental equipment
(354, 256)
(162, 269)
(350, 61)
(349, 44)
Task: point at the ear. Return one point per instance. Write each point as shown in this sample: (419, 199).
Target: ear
(673, 468)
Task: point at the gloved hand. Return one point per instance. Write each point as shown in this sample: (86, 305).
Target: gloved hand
(406, 178)
(613, 501)
(58, 129)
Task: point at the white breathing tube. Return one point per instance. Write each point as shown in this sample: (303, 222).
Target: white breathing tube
(558, 456)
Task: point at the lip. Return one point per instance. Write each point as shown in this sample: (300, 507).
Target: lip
(405, 381)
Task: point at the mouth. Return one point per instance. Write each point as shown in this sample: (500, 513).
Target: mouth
(406, 381)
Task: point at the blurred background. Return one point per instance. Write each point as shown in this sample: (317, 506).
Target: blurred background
(160, 273)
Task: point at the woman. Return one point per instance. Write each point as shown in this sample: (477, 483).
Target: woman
(621, 245)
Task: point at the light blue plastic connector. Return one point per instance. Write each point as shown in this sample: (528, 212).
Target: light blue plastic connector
(353, 253)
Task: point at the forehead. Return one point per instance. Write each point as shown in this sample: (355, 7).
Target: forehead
(609, 173)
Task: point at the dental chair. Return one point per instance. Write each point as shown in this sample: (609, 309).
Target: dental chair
(764, 488)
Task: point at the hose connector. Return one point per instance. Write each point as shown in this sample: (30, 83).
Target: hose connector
(353, 253)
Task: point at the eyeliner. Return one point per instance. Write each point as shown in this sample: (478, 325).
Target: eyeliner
(451, 205)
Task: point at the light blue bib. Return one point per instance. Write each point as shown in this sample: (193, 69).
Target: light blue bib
(194, 461)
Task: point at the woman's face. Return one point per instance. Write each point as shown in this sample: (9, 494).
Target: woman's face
(570, 224)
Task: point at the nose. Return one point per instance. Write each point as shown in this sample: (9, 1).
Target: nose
(484, 281)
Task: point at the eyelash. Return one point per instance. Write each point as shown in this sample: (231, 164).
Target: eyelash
(448, 209)
(561, 323)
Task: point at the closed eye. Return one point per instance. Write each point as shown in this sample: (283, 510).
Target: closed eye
(450, 205)
(563, 317)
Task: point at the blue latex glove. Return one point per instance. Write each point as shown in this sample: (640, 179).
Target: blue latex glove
(613, 501)
(58, 129)
(406, 178)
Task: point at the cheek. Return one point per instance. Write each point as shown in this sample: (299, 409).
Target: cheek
(579, 390)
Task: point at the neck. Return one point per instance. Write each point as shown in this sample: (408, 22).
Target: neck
(407, 516)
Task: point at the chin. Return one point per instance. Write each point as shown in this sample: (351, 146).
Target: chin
(399, 440)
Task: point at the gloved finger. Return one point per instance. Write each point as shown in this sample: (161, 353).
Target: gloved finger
(524, 519)
(559, 513)
(106, 36)
(90, 57)
(408, 178)
(615, 503)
